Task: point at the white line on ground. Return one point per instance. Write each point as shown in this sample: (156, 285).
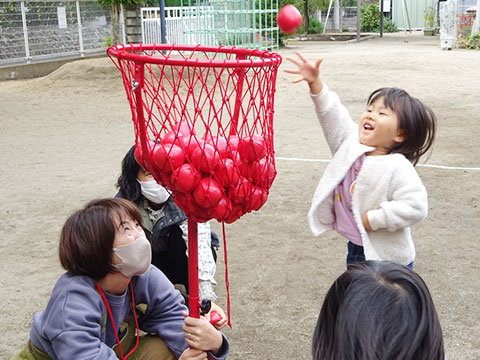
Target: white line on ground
(422, 165)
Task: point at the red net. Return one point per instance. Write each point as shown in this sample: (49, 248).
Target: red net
(203, 119)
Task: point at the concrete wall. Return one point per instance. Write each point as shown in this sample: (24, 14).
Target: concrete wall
(35, 70)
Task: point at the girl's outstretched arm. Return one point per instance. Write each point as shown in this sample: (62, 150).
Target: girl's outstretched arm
(308, 72)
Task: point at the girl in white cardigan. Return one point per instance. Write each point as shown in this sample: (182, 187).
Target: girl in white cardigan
(370, 192)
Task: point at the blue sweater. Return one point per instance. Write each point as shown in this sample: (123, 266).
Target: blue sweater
(71, 325)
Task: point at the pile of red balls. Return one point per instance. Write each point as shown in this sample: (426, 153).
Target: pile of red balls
(212, 177)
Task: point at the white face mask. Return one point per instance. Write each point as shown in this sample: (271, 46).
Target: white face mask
(154, 192)
(136, 257)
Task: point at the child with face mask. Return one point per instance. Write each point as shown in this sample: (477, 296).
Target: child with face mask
(165, 225)
(110, 292)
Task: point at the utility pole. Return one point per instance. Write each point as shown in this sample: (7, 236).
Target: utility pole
(163, 31)
(359, 5)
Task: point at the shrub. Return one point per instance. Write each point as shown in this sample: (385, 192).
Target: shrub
(389, 26)
(470, 42)
(315, 26)
(429, 17)
(369, 18)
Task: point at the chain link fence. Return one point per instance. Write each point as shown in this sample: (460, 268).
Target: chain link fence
(32, 31)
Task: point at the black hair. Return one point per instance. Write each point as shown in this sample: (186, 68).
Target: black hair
(127, 181)
(415, 119)
(378, 310)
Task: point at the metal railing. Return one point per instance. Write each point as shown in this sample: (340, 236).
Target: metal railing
(231, 23)
(34, 31)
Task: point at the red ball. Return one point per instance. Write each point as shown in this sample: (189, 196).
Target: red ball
(168, 157)
(169, 138)
(232, 143)
(252, 147)
(188, 143)
(256, 199)
(289, 19)
(185, 202)
(219, 143)
(183, 127)
(186, 177)
(226, 173)
(205, 158)
(207, 193)
(223, 209)
(263, 173)
(239, 193)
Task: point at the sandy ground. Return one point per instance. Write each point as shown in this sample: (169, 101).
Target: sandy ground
(63, 137)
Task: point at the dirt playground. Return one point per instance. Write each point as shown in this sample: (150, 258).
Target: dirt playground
(63, 137)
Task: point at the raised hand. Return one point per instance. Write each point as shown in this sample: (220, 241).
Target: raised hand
(308, 72)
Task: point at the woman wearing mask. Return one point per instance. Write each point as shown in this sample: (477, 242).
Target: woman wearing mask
(110, 292)
(165, 225)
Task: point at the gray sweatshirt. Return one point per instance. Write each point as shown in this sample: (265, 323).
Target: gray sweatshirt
(75, 324)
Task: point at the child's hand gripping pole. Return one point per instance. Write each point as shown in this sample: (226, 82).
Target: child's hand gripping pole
(205, 309)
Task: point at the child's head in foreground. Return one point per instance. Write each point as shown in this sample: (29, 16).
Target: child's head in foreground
(378, 310)
(395, 122)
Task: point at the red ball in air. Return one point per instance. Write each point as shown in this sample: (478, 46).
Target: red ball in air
(289, 19)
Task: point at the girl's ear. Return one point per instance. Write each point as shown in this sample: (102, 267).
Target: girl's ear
(400, 138)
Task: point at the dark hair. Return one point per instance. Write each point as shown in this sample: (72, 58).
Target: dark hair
(86, 240)
(415, 119)
(378, 311)
(127, 181)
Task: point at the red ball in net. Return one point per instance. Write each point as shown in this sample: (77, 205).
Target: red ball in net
(289, 19)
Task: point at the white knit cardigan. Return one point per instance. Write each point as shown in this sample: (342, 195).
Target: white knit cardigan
(388, 187)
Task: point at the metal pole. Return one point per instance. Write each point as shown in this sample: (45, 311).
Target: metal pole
(336, 16)
(79, 22)
(193, 296)
(359, 5)
(405, 13)
(381, 18)
(163, 30)
(326, 19)
(25, 32)
(122, 25)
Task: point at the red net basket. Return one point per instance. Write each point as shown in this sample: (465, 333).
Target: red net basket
(203, 119)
